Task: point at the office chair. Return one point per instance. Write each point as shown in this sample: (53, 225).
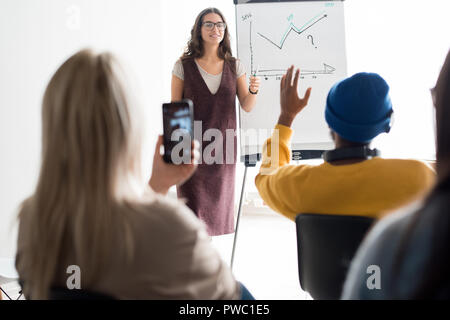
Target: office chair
(326, 245)
(58, 293)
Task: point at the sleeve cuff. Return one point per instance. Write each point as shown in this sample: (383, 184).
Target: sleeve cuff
(285, 133)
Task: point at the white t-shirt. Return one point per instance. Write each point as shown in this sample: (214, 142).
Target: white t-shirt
(211, 80)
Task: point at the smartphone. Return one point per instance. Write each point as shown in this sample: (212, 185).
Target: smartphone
(178, 125)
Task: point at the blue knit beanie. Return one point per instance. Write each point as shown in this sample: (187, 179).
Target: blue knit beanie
(359, 108)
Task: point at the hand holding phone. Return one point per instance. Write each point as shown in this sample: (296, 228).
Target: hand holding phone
(165, 175)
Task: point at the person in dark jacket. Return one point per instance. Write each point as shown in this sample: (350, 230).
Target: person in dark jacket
(406, 255)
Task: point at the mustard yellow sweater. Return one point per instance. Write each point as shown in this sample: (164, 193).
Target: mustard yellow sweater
(368, 188)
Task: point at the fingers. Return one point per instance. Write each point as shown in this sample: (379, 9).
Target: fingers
(307, 94)
(195, 157)
(286, 80)
(254, 80)
(282, 82)
(195, 144)
(254, 83)
(289, 76)
(297, 74)
(158, 145)
(195, 154)
(159, 141)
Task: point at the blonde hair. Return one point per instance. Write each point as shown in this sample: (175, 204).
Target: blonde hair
(90, 158)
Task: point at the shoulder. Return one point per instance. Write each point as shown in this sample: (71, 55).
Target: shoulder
(303, 170)
(166, 214)
(414, 172)
(406, 164)
(179, 63)
(186, 60)
(240, 69)
(165, 223)
(310, 169)
(389, 227)
(300, 174)
(178, 69)
(174, 246)
(377, 252)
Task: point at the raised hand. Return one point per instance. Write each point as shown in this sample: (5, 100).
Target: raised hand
(290, 102)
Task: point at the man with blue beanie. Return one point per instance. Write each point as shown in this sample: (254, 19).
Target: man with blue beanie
(359, 108)
(353, 180)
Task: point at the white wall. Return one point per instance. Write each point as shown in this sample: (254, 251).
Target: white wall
(404, 41)
(35, 38)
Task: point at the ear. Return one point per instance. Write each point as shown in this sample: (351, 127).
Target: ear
(333, 135)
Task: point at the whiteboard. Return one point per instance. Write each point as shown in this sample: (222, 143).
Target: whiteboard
(271, 36)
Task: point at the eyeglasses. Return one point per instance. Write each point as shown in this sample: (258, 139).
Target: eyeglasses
(210, 25)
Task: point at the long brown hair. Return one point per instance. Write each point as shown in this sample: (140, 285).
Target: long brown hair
(90, 153)
(195, 48)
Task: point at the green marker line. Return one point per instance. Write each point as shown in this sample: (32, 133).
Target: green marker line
(291, 25)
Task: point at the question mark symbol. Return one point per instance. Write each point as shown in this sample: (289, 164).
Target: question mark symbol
(312, 40)
(73, 21)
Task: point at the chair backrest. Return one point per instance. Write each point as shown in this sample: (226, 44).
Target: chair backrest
(58, 293)
(326, 244)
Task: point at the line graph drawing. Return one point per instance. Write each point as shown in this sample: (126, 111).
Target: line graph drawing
(292, 27)
(327, 69)
(271, 36)
(278, 73)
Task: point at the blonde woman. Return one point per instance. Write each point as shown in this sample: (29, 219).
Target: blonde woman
(86, 213)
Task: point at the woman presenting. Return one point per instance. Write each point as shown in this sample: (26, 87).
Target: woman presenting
(211, 77)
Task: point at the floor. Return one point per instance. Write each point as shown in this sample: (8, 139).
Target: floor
(265, 256)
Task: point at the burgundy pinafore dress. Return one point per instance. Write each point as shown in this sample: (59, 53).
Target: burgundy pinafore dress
(210, 191)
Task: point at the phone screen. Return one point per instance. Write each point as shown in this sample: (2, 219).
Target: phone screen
(178, 131)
